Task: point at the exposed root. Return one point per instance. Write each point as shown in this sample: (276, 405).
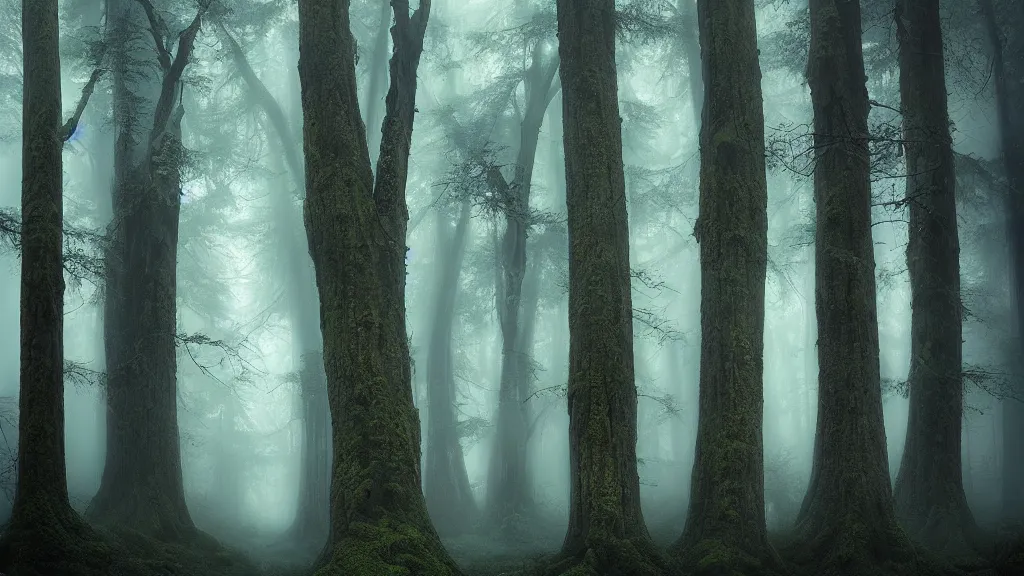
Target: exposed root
(610, 557)
(715, 557)
(49, 543)
(387, 549)
(859, 550)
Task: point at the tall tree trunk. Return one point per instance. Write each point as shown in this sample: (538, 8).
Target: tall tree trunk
(356, 234)
(44, 534)
(507, 486)
(1004, 22)
(142, 486)
(727, 490)
(446, 481)
(606, 533)
(929, 492)
(846, 524)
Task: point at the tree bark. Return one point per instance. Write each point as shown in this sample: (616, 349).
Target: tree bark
(446, 482)
(1004, 20)
(846, 524)
(606, 533)
(725, 526)
(141, 488)
(929, 493)
(44, 532)
(356, 234)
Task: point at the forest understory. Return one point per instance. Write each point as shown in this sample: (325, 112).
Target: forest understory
(84, 550)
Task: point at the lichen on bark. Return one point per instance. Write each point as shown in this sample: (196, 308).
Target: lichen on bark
(606, 533)
(725, 528)
(356, 231)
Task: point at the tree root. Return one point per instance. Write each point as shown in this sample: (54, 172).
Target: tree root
(858, 550)
(610, 557)
(716, 557)
(388, 549)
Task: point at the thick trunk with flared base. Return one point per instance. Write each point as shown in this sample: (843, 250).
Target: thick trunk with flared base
(142, 485)
(929, 493)
(725, 527)
(44, 536)
(356, 234)
(846, 524)
(606, 533)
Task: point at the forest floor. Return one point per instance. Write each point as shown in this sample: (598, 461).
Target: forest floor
(242, 552)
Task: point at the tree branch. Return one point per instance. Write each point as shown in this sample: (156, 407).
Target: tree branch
(172, 76)
(71, 125)
(158, 29)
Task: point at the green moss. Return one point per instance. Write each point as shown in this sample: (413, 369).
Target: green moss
(387, 549)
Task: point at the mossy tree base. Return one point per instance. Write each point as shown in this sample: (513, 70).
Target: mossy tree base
(388, 549)
(51, 540)
(610, 557)
(856, 549)
(717, 557)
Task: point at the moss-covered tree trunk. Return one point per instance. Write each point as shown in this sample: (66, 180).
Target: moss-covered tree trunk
(725, 527)
(929, 491)
(508, 489)
(606, 533)
(356, 234)
(142, 487)
(446, 480)
(1004, 24)
(44, 532)
(846, 524)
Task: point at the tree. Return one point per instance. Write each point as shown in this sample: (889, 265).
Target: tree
(446, 482)
(929, 492)
(727, 510)
(142, 487)
(846, 523)
(45, 535)
(606, 533)
(1003, 20)
(356, 230)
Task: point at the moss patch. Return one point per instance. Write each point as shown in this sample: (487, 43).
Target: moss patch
(387, 549)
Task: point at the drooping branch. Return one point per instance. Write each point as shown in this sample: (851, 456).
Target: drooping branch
(71, 125)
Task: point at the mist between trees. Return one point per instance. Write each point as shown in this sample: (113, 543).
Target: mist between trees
(585, 287)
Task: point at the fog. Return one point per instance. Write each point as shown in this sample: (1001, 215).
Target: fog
(247, 315)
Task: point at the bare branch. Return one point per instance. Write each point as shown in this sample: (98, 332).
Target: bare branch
(158, 29)
(71, 125)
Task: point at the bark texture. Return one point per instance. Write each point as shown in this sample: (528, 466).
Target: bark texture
(446, 481)
(356, 234)
(606, 533)
(141, 487)
(1004, 22)
(725, 527)
(929, 492)
(846, 524)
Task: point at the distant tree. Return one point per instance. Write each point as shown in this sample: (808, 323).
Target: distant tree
(1004, 26)
(606, 533)
(727, 509)
(356, 229)
(142, 486)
